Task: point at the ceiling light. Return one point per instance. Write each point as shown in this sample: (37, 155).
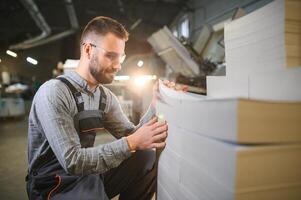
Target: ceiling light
(140, 63)
(121, 78)
(11, 53)
(31, 60)
(136, 23)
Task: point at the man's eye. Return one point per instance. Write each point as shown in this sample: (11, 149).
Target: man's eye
(111, 56)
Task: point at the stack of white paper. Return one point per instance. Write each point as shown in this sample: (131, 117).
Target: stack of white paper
(280, 85)
(236, 120)
(262, 44)
(229, 148)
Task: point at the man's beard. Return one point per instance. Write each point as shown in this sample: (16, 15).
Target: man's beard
(99, 72)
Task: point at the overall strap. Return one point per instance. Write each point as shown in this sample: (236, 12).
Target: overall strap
(76, 94)
(102, 99)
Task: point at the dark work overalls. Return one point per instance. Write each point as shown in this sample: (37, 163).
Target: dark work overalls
(48, 177)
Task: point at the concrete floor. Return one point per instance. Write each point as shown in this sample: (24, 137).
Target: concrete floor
(13, 159)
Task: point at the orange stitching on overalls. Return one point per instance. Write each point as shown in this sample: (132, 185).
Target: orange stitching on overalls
(55, 188)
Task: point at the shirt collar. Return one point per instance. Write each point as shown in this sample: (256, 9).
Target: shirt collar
(82, 83)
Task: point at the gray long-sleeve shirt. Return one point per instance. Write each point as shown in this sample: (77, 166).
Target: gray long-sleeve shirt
(51, 126)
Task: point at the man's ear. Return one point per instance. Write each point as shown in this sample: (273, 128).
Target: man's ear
(87, 50)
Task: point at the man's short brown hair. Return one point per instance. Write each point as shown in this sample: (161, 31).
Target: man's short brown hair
(102, 25)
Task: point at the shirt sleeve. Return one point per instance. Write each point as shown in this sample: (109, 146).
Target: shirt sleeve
(52, 104)
(117, 123)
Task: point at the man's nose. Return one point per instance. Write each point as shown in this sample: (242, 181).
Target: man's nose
(117, 66)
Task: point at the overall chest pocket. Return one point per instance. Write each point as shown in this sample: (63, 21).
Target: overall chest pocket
(87, 123)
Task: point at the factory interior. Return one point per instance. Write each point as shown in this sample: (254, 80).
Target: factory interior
(233, 115)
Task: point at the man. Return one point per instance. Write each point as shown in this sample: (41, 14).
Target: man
(65, 115)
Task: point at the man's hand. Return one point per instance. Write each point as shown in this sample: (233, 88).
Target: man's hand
(174, 86)
(150, 135)
(169, 84)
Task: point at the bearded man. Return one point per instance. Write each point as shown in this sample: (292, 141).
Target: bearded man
(67, 112)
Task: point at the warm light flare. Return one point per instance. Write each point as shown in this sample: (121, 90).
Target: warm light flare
(141, 80)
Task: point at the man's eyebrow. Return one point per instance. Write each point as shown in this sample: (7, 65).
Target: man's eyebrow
(113, 52)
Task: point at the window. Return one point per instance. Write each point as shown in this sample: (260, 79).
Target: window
(184, 28)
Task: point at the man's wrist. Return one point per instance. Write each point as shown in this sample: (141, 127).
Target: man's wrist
(130, 142)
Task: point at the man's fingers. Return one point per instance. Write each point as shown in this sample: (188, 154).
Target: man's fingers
(152, 121)
(178, 88)
(160, 145)
(160, 129)
(173, 85)
(160, 137)
(165, 82)
(182, 88)
(158, 124)
(169, 84)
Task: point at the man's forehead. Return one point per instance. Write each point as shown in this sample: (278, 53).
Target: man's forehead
(112, 43)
